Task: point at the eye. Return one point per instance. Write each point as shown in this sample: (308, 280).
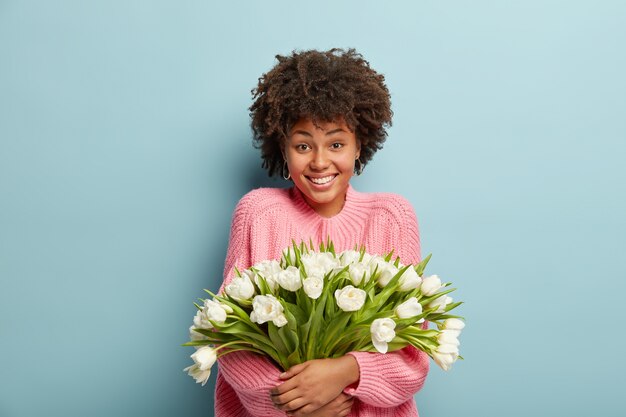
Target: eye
(302, 147)
(337, 145)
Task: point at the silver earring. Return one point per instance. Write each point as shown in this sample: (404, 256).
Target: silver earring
(286, 168)
(358, 167)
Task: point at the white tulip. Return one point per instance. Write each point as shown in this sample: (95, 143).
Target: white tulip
(440, 303)
(289, 253)
(290, 279)
(328, 261)
(430, 285)
(313, 286)
(444, 360)
(382, 331)
(350, 298)
(199, 375)
(410, 308)
(267, 308)
(216, 311)
(268, 270)
(194, 335)
(280, 321)
(240, 288)
(453, 326)
(201, 321)
(249, 273)
(204, 357)
(349, 257)
(366, 258)
(384, 269)
(319, 263)
(447, 337)
(357, 271)
(448, 348)
(409, 280)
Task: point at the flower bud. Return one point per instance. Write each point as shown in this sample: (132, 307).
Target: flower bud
(382, 331)
(430, 285)
(409, 280)
(410, 308)
(240, 288)
(313, 286)
(350, 298)
(290, 279)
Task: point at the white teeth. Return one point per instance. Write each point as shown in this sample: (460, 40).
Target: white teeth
(321, 181)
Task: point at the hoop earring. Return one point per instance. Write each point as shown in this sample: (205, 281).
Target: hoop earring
(286, 168)
(358, 169)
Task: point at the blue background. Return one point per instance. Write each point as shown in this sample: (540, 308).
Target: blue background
(125, 144)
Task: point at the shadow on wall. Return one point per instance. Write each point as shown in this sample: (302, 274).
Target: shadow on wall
(257, 177)
(246, 174)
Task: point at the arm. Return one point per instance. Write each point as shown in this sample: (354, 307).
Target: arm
(244, 377)
(227, 403)
(390, 379)
(313, 385)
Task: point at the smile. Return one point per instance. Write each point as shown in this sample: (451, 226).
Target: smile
(322, 180)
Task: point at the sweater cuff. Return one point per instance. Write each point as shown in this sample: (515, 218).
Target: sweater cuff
(366, 386)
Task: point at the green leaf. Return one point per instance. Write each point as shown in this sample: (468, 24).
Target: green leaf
(279, 345)
(431, 298)
(330, 336)
(264, 288)
(419, 268)
(390, 288)
(294, 359)
(317, 322)
(197, 343)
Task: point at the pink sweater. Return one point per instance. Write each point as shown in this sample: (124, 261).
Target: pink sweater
(264, 223)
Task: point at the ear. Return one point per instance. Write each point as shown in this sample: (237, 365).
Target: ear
(358, 149)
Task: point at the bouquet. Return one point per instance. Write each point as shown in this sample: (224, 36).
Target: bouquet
(315, 304)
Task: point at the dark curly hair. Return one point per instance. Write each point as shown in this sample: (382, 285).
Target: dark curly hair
(322, 86)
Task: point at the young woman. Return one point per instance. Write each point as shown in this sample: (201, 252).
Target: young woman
(318, 118)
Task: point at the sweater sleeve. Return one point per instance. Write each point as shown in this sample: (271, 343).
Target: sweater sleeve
(238, 253)
(244, 377)
(248, 379)
(387, 380)
(227, 403)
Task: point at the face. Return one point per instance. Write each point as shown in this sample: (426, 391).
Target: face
(321, 162)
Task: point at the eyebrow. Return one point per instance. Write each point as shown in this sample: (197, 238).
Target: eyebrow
(305, 133)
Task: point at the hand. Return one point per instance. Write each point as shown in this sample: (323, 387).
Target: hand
(339, 407)
(313, 384)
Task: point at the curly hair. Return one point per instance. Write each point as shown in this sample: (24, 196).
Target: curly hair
(323, 86)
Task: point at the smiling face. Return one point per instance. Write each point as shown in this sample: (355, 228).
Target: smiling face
(321, 162)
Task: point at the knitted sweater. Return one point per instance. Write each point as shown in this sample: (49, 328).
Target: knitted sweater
(265, 221)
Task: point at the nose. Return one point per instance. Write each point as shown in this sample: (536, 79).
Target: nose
(319, 160)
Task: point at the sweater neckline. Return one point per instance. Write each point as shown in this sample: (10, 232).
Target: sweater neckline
(304, 207)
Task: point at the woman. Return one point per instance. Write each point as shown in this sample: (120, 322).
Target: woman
(318, 118)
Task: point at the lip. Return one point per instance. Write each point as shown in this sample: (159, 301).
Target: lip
(321, 186)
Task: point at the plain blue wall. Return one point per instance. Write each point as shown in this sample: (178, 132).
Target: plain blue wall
(124, 146)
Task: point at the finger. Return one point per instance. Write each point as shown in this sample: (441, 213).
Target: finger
(293, 371)
(345, 408)
(286, 386)
(284, 398)
(343, 397)
(307, 409)
(292, 405)
(344, 413)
